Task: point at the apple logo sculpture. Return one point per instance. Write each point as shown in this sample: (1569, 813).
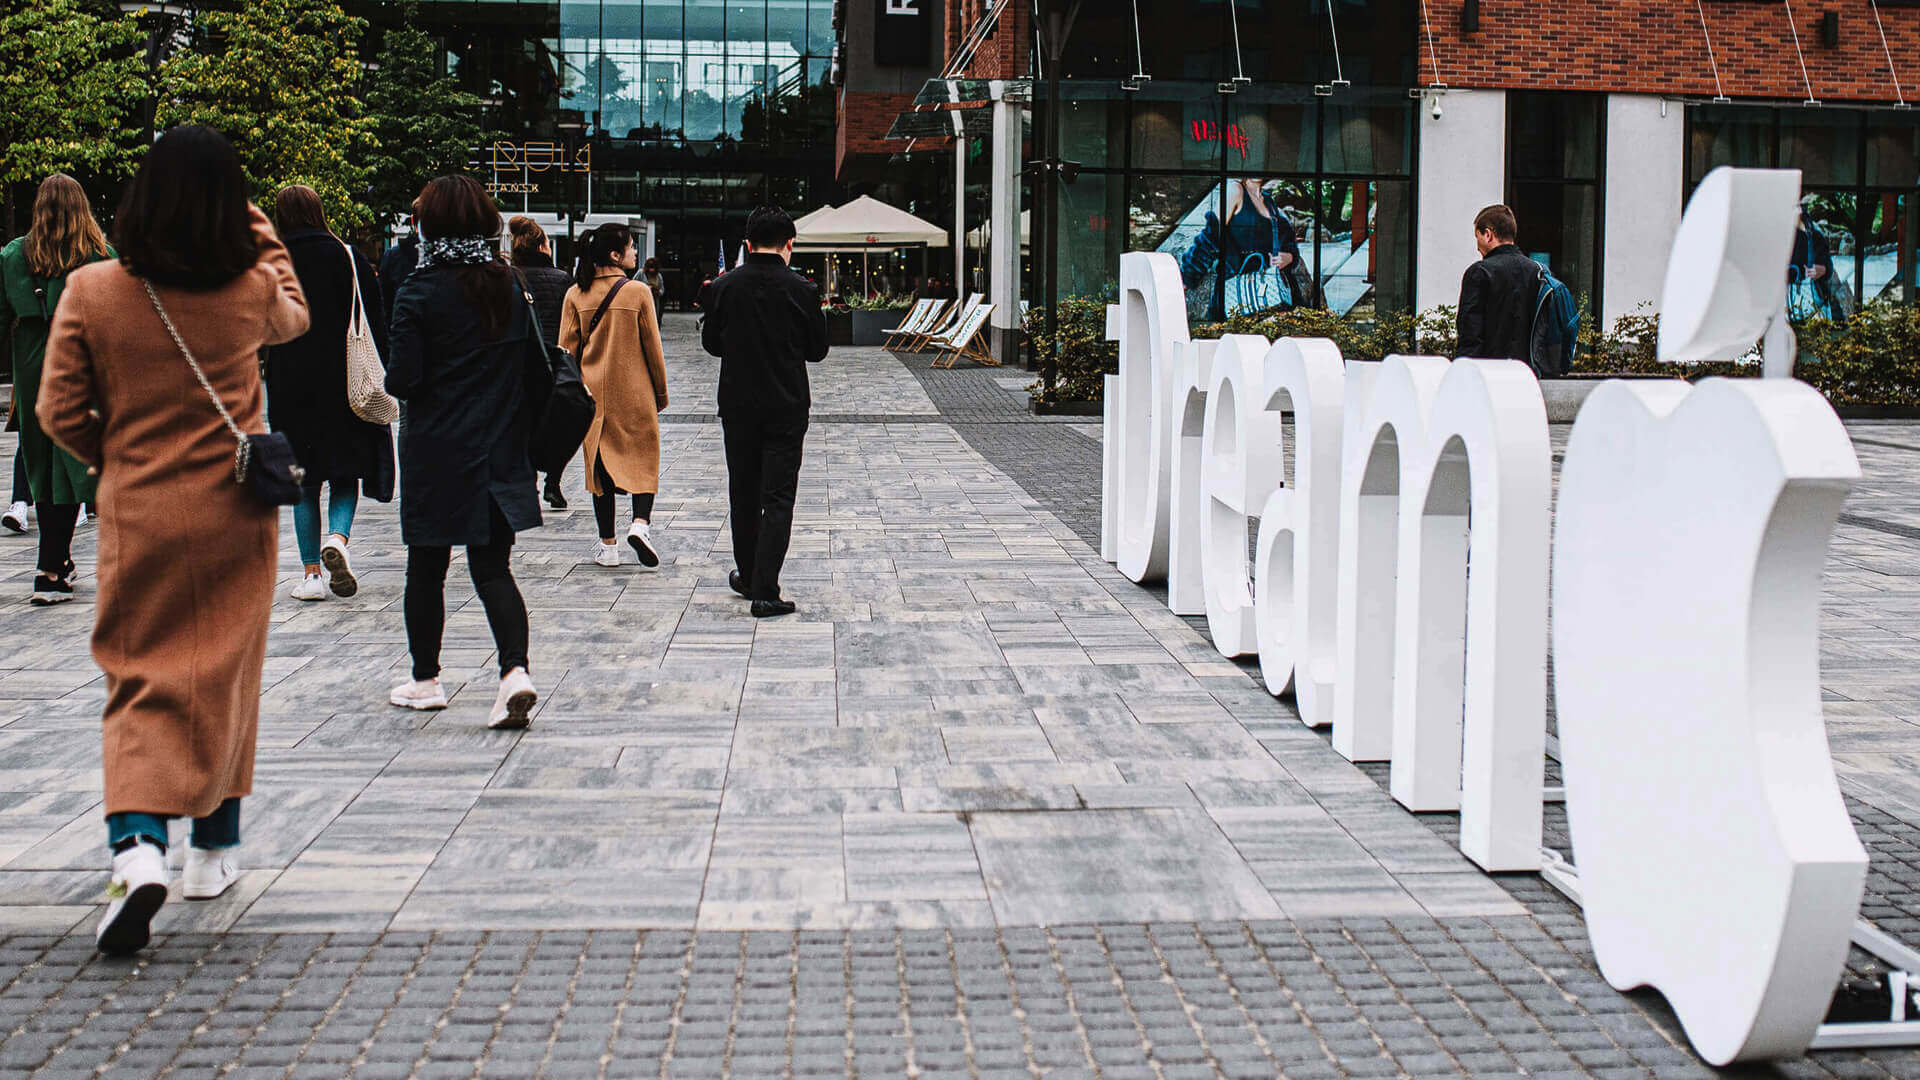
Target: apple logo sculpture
(1717, 862)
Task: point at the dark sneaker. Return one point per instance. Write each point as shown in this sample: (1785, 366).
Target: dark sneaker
(769, 609)
(738, 584)
(554, 498)
(48, 591)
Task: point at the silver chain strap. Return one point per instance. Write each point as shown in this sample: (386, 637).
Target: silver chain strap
(243, 452)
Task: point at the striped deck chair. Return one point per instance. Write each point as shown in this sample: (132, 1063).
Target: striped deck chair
(924, 312)
(926, 338)
(965, 342)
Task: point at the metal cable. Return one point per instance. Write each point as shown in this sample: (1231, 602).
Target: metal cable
(1433, 57)
(1339, 69)
(1239, 65)
(1139, 57)
(1898, 94)
(1719, 92)
(1811, 100)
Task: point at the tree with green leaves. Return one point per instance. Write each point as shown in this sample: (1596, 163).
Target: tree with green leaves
(73, 84)
(278, 77)
(425, 125)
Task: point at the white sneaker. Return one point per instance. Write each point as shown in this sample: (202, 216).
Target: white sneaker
(80, 522)
(311, 587)
(333, 556)
(424, 694)
(208, 874)
(136, 891)
(641, 537)
(606, 554)
(512, 709)
(15, 519)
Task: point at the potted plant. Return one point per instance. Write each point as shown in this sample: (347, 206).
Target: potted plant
(874, 316)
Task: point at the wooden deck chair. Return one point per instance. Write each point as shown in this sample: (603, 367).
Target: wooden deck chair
(924, 312)
(926, 338)
(965, 343)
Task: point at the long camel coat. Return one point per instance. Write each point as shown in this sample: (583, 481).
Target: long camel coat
(625, 369)
(187, 557)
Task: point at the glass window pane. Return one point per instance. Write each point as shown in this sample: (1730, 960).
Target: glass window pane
(1823, 144)
(1554, 136)
(1893, 151)
(1826, 256)
(1177, 127)
(1728, 135)
(1269, 135)
(1369, 138)
(1092, 223)
(820, 27)
(664, 71)
(1557, 230)
(1362, 246)
(1887, 248)
(1092, 123)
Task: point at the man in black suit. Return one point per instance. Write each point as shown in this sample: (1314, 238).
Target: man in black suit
(765, 324)
(1499, 294)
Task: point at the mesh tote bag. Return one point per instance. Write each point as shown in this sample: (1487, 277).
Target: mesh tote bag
(366, 376)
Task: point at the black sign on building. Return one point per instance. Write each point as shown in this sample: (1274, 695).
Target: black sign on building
(901, 32)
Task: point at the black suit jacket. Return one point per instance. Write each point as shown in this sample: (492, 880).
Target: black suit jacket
(1498, 297)
(765, 324)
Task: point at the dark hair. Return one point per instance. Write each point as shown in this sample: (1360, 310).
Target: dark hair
(297, 206)
(598, 249)
(457, 206)
(1498, 220)
(527, 238)
(769, 228)
(184, 220)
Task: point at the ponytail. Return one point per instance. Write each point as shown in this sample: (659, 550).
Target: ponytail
(597, 249)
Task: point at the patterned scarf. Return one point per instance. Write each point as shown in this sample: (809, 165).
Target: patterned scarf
(457, 251)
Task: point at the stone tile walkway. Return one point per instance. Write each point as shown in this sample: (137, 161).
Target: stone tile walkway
(983, 808)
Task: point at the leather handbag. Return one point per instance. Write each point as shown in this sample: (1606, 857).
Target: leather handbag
(263, 464)
(1256, 285)
(562, 406)
(366, 376)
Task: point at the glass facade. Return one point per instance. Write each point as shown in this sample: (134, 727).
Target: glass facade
(1861, 175)
(1556, 153)
(686, 112)
(1290, 190)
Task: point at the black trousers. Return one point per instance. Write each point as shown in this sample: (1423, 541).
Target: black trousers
(21, 492)
(763, 476)
(426, 600)
(603, 505)
(56, 538)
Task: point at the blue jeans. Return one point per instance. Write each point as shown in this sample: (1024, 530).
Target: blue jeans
(341, 500)
(220, 829)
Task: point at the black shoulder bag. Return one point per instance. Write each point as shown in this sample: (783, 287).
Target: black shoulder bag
(263, 464)
(562, 407)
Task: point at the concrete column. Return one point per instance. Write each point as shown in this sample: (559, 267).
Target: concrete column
(1645, 172)
(1003, 259)
(959, 206)
(1463, 169)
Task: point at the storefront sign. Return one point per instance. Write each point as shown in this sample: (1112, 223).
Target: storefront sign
(1210, 131)
(902, 32)
(1716, 857)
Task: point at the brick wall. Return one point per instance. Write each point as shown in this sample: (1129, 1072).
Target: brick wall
(1656, 46)
(865, 119)
(1003, 55)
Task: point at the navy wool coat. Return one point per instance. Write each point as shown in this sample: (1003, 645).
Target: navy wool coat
(464, 414)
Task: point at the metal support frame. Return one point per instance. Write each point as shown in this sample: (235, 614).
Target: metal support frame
(1905, 960)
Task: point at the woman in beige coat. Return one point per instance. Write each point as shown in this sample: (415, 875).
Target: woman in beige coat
(613, 330)
(184, 596)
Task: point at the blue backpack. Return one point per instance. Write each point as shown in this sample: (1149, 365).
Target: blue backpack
(1556, 328)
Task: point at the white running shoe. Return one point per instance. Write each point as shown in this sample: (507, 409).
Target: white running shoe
(333, 556)
(208, 874)
(423, 694)
(606, 554)
(136, 891)
(80, 521)
(311, 587)
(15, 519)
(641, 537)
(513, 708)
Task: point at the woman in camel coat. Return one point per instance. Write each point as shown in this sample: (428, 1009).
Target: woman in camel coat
(187, 556)
(608, 321)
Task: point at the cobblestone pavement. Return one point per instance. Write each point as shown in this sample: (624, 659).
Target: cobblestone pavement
(983, 809)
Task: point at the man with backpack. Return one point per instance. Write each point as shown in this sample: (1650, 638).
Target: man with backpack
(1511, 308)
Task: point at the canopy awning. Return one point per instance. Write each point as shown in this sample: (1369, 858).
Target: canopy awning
(866, 222)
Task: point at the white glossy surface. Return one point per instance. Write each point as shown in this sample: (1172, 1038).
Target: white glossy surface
(1716, 858)
(1727, 278)
(1242, 464)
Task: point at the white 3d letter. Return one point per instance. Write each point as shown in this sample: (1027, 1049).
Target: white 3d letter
(1152, 329)
(1242, 442)
(1470, 652)
(1296, 560)
(1186, 567)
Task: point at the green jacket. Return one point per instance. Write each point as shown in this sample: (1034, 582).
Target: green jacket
(27, 304)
